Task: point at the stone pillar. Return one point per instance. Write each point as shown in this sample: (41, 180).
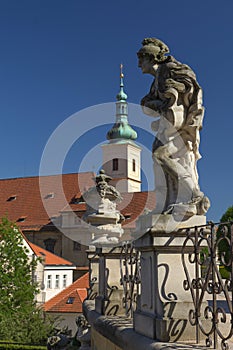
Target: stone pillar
(108, 286)
(163, 306)
(102, 293)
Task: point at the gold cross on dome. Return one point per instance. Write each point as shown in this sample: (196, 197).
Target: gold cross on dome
(121, 70)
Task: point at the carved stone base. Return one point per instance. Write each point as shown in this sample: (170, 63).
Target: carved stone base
(164, 304)
(111, 305)
(167, 329)
(166, 223)
(104, 234)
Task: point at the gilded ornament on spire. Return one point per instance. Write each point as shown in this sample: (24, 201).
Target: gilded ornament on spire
(121, 70)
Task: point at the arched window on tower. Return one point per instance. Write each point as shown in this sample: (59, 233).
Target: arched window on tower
(123, 109)
(115, 164)
(134, 165)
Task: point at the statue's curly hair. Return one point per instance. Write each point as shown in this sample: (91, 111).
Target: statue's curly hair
(149, 47)
(156, 42)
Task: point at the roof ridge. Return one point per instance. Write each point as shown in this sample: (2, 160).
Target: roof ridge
(37, 250)
(50, 175)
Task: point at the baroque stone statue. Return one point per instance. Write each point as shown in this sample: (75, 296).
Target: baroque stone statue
(175, 100)
(83, 334)
(102, 213)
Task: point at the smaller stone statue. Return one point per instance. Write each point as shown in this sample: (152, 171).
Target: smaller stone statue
(101, 211)
(83, 334)
(59, 342)
(81, 340)
(175, 100)
(105, 190)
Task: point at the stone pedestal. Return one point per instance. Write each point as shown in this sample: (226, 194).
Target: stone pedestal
(108, 288)
(163, 306)
(166, 223)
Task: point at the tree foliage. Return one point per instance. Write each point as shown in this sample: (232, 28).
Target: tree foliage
(228, 215)
(20, 319)
(223, 246)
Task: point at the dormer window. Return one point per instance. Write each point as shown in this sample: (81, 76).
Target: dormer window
(11, 198)
(49, 195)
(21, 219)
(78, 199)
(81, 200)
(127, 216)
(115, 164)
(70, 300)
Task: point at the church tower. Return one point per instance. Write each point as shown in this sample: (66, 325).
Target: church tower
(121, 155)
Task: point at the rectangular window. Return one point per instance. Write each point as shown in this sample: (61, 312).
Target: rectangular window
(64, 281)
(77, 246)
(134, 165)
(50, 244)
(49, 281)
(57, 282)
(70, 300)
(115, 164)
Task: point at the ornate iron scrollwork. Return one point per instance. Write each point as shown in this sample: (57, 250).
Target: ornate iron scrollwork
(130, 277)
(212, 295)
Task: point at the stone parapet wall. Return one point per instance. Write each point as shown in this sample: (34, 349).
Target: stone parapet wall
(99, 342)
(117, 333)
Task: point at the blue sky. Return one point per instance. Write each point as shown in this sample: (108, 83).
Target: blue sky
(61, 56)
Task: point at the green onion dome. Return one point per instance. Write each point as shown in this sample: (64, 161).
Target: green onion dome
(121, 131)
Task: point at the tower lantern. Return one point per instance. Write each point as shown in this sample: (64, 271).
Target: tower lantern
(121, 155)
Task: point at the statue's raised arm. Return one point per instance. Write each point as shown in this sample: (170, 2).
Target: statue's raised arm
(175, 98)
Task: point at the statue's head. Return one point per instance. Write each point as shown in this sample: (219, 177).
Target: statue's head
(153, 49)
(80, 321)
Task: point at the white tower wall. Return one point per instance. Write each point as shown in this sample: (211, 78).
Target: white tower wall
(127, 177)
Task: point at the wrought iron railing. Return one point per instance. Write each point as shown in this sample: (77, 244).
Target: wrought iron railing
(210, 251)
(127, 266)
(130, 277)
(207, 259)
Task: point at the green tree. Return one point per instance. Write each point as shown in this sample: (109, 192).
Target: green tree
(20, 319)
(223, 246)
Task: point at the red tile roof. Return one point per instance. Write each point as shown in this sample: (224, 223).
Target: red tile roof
(21, 197)
(132, 205)
(71, 298)
(50, 258)
(82, 292)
